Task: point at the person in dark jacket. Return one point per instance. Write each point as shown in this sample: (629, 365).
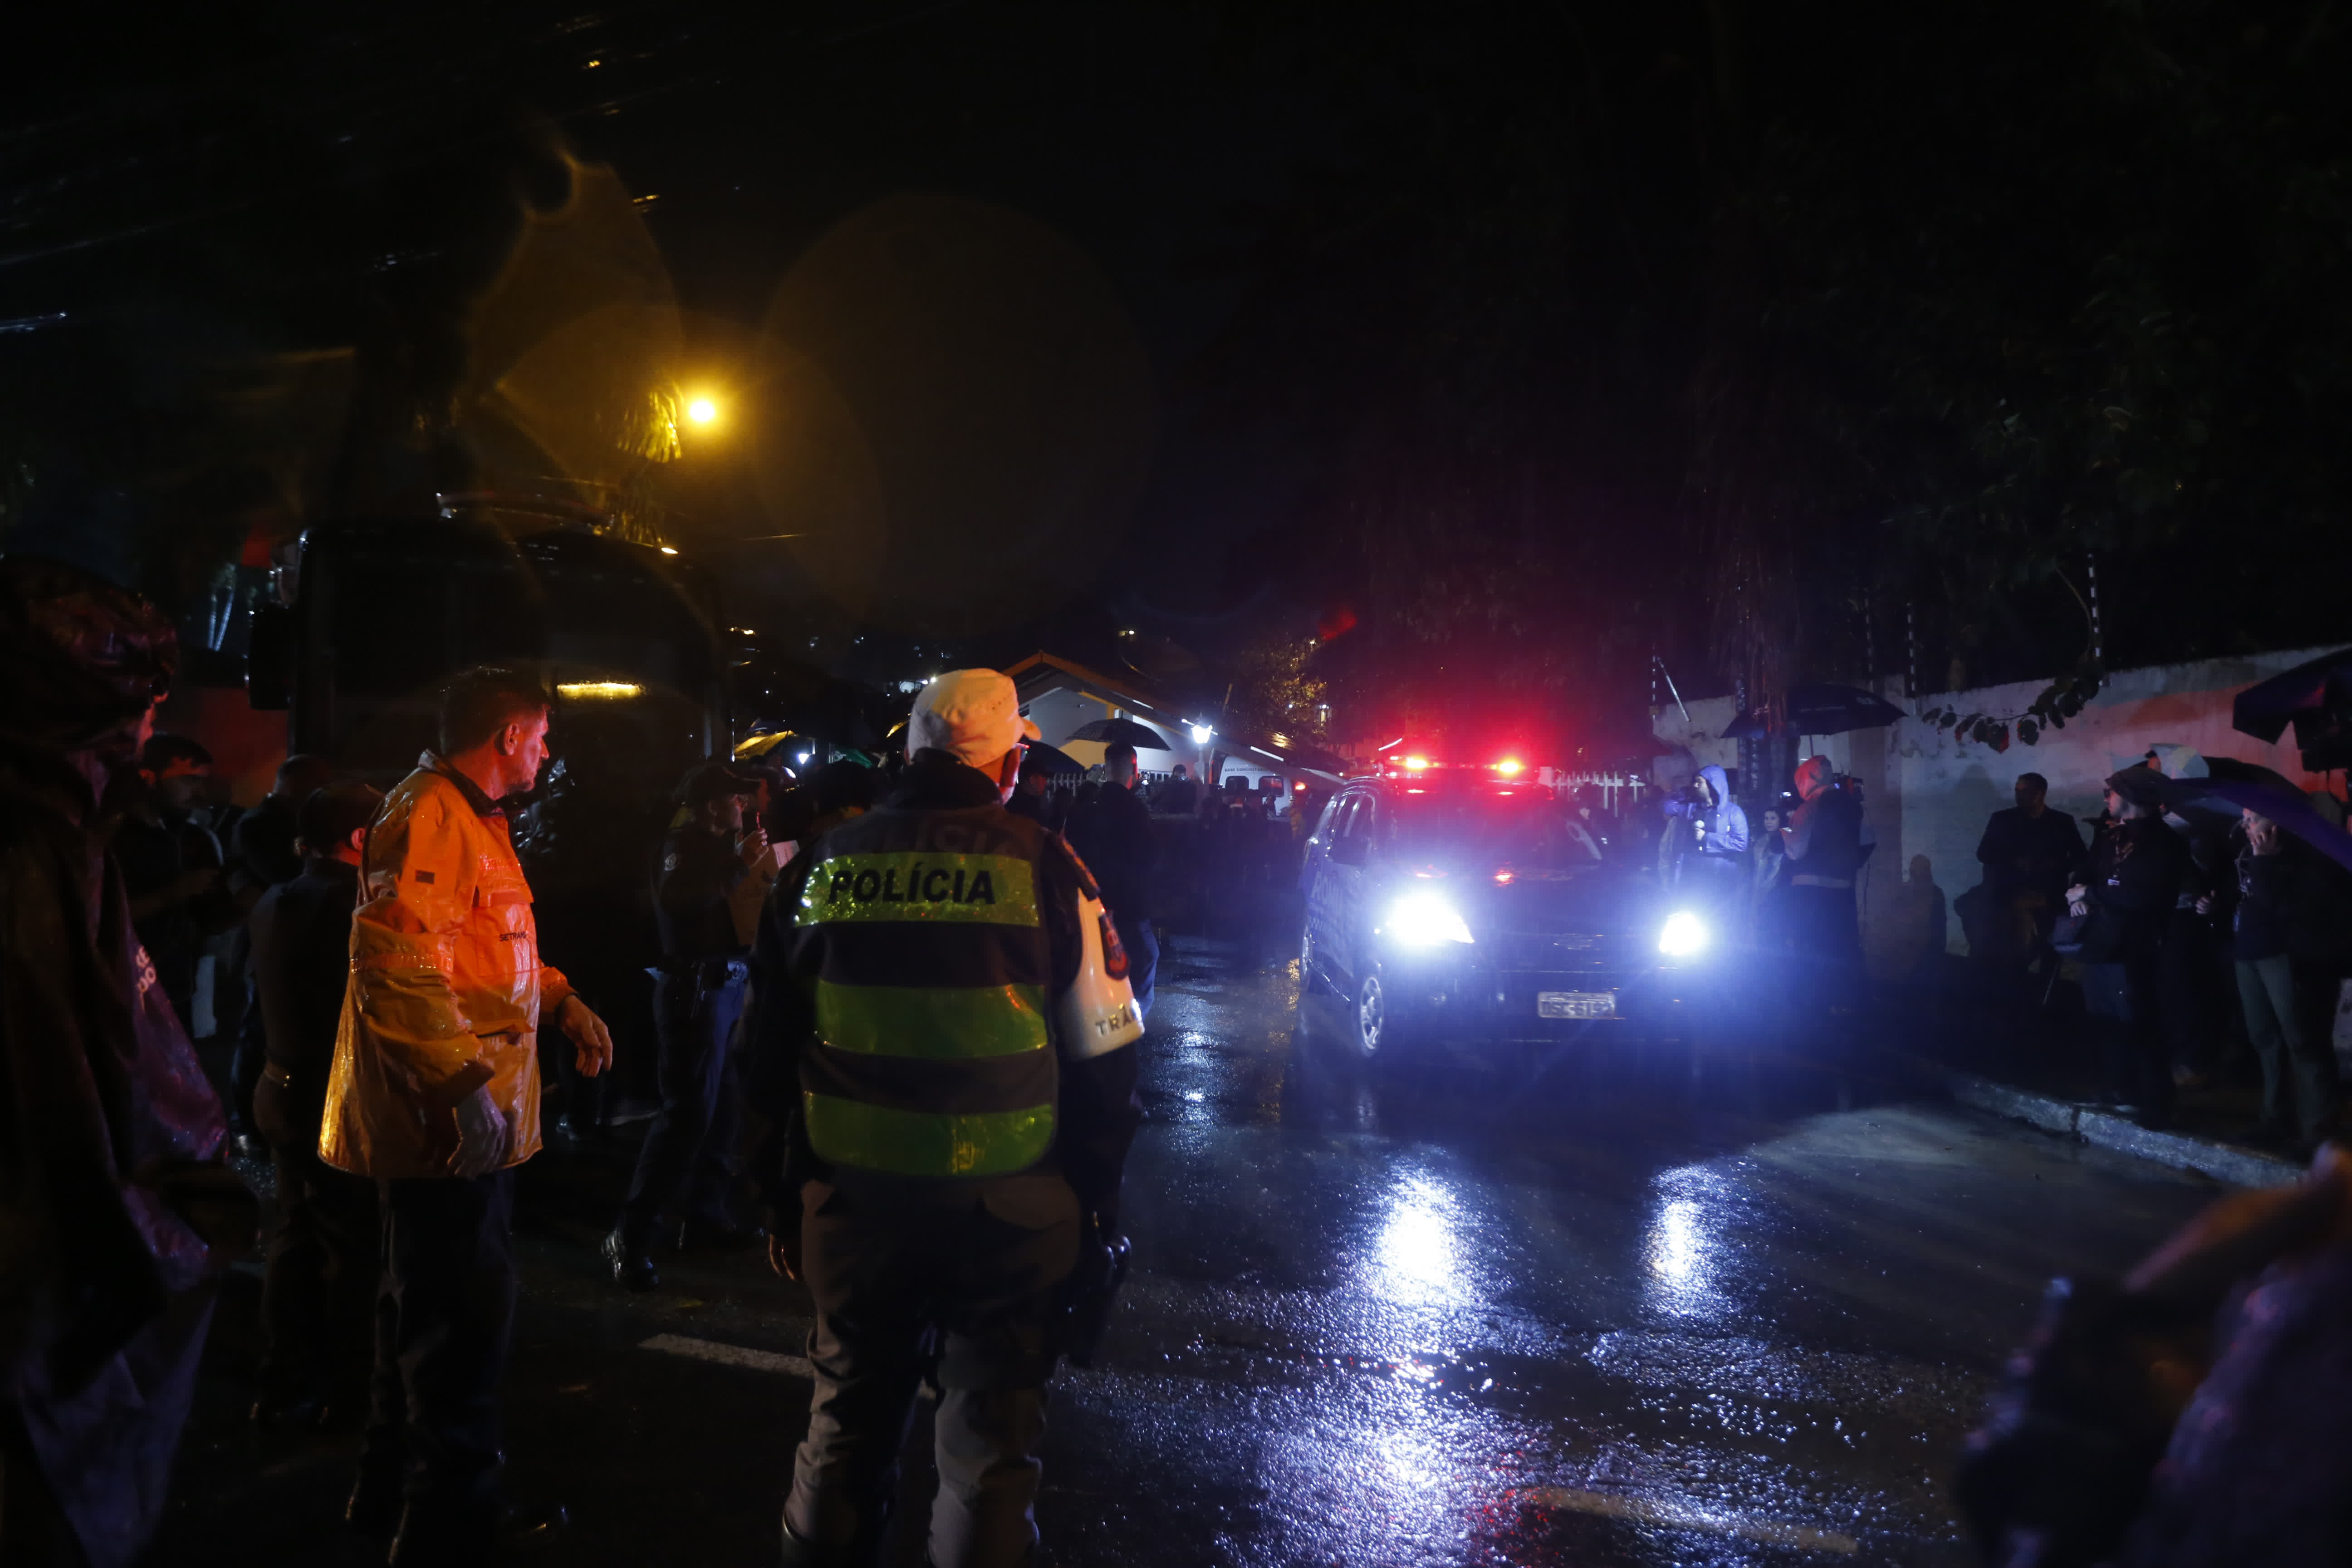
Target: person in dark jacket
(2131, 883)
(1823, 844)
(262, 853)
(1177, 795)
(109, 1265)
(2287, 946)
(687, 1167)
(319, 1269)
(2030, 852)
(1032, 796)
(941, 1036)
(1113, 835)
(172, 866)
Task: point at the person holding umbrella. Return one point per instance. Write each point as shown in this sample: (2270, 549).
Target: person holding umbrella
(2124, 899)
(2287, 939)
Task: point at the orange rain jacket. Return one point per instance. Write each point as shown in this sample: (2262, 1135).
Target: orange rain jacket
(445, 987)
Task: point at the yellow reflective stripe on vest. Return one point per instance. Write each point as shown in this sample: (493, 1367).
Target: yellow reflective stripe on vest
(913, 1143)
(940, 1022)
(909, 885)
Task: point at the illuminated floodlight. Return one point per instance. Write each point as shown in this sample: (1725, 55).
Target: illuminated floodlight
(702, 411)
(1684, 935)
(1510, 766)
(1200, 733)
(669, 549)
(598, 690)
(1416, 764)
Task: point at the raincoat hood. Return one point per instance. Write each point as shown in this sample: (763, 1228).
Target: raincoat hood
(1814, 775)
(81, 660)
(1717, 781)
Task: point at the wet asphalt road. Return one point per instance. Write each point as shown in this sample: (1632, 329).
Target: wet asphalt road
(1703, 1305)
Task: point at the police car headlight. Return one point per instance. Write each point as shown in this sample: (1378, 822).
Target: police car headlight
(1425, 920)
(1684, 935)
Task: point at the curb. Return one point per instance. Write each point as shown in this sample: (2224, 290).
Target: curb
(2222, 1162)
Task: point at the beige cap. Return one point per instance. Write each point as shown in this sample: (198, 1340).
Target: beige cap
(975, 714)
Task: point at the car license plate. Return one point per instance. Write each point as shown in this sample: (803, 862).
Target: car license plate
(1575, 1004)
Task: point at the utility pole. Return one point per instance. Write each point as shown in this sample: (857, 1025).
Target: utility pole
(2098, 633)
(1911, 638)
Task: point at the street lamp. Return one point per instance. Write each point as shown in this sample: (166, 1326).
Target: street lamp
(702, 411)
(1200, 733)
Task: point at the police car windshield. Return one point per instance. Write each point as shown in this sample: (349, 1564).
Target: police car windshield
(1524, 828)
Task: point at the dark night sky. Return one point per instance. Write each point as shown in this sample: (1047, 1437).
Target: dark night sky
(1534, 338)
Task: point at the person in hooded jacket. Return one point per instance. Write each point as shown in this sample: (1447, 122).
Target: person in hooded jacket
(2127, 896)
(1712, 864)
(117, 1214)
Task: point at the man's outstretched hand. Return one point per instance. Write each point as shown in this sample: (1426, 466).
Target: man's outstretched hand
(588, 1034)
(482, 1135)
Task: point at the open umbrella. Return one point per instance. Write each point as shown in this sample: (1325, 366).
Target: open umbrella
(1814, 710)
(2235, 786)
(2316, 698)
(1053, 759)
(1119, 732)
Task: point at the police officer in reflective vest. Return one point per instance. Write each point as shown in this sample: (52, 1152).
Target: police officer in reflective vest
(687, 1167)
(941, 1030)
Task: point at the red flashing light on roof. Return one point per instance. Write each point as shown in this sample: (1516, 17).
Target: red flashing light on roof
(1510, 767)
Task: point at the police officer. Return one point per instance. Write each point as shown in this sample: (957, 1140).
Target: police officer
(687, 1167)
(941, 1029)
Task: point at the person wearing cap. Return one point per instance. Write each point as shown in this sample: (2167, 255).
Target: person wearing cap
(686, 1168)
(940, 1036)
(2125, 897)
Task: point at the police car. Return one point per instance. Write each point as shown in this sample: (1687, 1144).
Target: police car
(1457, 903)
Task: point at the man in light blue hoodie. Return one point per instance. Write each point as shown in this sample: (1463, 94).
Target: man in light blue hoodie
(1712, 864)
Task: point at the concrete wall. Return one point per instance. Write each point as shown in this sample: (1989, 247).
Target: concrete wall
(1928, 794)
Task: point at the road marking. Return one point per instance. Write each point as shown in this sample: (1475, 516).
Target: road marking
(730, 1355)
(1685, 1516)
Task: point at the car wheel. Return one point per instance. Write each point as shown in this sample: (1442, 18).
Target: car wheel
(1371, 1024)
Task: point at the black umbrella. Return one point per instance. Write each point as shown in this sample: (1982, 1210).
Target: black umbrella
(1814, 710)
(2316, 698)
(1051, 757)
(2322, 686)
(2273, 796)
(1119, 732)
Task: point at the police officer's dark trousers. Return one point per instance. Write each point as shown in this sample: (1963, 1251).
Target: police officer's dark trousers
(910, 1288)
(687, 1166)
(443, 1323)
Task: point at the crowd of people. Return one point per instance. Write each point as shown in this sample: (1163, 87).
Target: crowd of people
(894, 1008)
(2195, 937)
(920, 999)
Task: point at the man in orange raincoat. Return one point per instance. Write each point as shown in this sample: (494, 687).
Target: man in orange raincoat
(434, 1094)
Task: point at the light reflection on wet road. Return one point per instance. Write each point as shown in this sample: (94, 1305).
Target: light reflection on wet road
(1690, 1308)
(1687, 1311)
